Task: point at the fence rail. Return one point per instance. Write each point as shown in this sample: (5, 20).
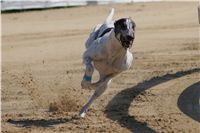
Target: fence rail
(40, 4)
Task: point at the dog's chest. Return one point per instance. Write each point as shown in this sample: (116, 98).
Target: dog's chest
(115, 63)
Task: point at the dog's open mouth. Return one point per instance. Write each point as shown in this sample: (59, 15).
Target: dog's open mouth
(126, 43)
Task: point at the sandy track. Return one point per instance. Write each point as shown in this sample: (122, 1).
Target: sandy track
(42, 70)
(120, 104)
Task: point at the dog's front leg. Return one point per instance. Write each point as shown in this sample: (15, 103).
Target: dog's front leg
(100, 88)
(93, 97)
(87, 78)
(93, 53)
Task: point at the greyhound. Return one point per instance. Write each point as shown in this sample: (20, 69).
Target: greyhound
(107, 50)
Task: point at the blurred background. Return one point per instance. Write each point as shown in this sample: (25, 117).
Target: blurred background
(40, 4)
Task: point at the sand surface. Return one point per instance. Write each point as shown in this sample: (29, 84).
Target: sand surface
(42, 70)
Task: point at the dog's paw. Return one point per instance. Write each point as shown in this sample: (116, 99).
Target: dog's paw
(82, 115)
(85, 84)
(82, 112)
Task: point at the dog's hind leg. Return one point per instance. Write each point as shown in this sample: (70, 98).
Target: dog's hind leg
(99, 91)
(93, 36)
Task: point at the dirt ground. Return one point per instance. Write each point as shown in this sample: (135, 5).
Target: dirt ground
(42, 70)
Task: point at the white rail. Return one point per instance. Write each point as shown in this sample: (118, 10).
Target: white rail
(40, 4)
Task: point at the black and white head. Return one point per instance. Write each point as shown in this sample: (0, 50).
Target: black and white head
(125, 31)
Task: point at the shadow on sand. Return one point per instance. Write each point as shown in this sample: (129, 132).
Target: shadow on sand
(118, 111)
(188, 101)
(40, 122)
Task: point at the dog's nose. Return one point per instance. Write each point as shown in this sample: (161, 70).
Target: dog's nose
(130, 38)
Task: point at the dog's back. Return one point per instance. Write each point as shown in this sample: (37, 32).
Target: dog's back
(101, 29)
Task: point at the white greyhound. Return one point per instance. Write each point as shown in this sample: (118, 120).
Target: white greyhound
(107, 49)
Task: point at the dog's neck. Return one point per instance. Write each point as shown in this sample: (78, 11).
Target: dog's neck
(115, 47)
(115, 43)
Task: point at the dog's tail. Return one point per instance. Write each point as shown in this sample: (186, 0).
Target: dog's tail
(110, 16)
(100, 29)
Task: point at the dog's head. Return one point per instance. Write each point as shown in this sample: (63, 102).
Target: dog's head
(125, 31)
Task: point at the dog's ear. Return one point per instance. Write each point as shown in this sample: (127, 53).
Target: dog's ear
(117, 26)
(133, 23)
(119, 22)
(116, 23)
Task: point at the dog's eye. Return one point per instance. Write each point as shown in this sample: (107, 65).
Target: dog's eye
(123, 26)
